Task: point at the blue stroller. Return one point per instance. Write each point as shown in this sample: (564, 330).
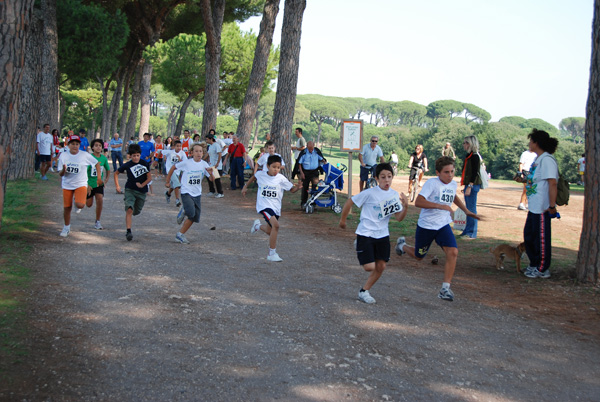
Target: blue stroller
(325, 195)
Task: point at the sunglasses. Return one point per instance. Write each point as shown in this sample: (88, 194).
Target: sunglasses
(373, 140)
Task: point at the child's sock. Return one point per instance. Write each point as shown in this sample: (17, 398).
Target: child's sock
(128, 230)
(445, 285)
(272, 251)
(362, 290)
(68, 227)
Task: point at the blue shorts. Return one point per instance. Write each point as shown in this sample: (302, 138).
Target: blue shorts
(424, 237)
(369, 249)
(268, 213)
(364, 172)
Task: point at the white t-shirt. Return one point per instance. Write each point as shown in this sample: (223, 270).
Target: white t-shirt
(262, 161)
(371, 156)
(214, 155)
(581, 163)
(193, 172)
(76, 171)
(394, 158)
(377, 207)
(538, 195)
(270, 191)
(45, 142)
(434, 190)
(301, 142)
(527, 159)
(171, 157)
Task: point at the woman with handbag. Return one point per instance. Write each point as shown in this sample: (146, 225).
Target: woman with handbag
(472, 182)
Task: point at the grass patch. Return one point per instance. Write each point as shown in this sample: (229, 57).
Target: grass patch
(21, 218)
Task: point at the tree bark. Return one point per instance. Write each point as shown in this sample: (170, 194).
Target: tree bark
(183, 111)
(106, 122)
(213, 25)
(123, 122)
(135, 101)
(588, 258)
(145, 98)
(257, 120)
(115, 104)
(287, 83)
(259, 70)
(49, 87)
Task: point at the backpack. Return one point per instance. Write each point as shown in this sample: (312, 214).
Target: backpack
(562, 188)
(483, 174)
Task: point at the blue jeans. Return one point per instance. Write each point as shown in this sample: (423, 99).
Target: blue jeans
(471, 204)
(116, 156)
(237, 171)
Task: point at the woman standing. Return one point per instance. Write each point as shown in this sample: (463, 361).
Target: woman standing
(472, 182)
(418, 160)
(541, 196)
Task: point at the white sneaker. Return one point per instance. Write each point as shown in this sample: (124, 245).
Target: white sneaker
(78, 211)
(219, 196)
(522, 207)
(255, 226)
(400, 243)
(275, 257)
(181, 238)
(366, 297)
(65, 232)
(98, 226)
(211, 194)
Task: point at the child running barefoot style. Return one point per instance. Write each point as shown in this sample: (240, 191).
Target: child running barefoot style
(194, 169)
(271, 185)
(372, 235)
(96, 181)
(72, 168)
(435, 200)
(136, 187)
(172, 157)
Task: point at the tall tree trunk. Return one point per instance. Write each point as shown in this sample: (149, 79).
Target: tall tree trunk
(259, 70)
(123, 123)
(256, 119)
(213, 25)
(24, 145)
(588, 258)
(135, 101)
(104, 128)
(115, 104)
(145, 97)
(183, 111)
(287, 82)
(49, 88)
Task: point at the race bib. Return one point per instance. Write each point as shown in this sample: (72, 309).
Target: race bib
(72, 168)
(94, 172)
(447, 196)
(174, 159)
(389, 207)
(138, 170)
(195, 179)
(268, 192)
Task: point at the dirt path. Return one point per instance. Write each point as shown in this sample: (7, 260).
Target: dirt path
(213, 320)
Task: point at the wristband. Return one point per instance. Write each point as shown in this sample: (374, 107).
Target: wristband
(554, 207)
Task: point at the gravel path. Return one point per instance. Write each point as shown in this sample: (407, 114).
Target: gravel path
(156, 320)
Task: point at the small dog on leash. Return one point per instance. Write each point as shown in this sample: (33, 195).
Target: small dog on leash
(506, 251)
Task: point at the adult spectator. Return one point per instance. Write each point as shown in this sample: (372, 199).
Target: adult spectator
(448, 151)
(308, 169)
(116, 151)
(214, 160)
(418, 160)
(300, 143)
(85, 144)
(581, 165)
(44, 150)
(368, 157)
(237, 154)
(472, 182)
(527, 158)
(541, 195)
(147, 148)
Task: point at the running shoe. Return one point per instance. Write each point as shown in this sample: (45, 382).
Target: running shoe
(522, 207)
(44, 177)
(255, 226)
(98, 226)
(180, 215)
(366, 297)
(129, 236)
(400, 243)
(210, 194)
(65, 232)
(274, 257)
(178, 202)
(167, 197)
(535, 273)
(446, 294)
(219, 196)
(180, 237)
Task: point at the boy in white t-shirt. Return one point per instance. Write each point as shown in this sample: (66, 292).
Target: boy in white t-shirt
(271, 185)
(193, 169)
(44, 150)
(377, 205)
(435, 200)
(72, 167)
(262, 161)
(171, 158)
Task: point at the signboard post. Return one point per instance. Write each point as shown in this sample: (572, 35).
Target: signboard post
(351, 139)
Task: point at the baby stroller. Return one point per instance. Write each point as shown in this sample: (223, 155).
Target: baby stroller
(325, 195)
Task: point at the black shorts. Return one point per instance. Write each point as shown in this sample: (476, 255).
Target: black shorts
(413, 173)
(45, 158)
(268, 213)
(97, 190)
(369, 250)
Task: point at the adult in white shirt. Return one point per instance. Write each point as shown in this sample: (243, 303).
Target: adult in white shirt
(368, 157)
(581, 166)
(525, 162)
(44, 150)
(214, 160)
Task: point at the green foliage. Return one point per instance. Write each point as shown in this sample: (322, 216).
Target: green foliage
(80, 107)
(567, 154)
(157, 126)
(90, 40)
(514, 120)
(226, 123)
(574, 127)
(541, 125)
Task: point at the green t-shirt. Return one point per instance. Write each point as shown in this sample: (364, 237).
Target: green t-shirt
(104, 168)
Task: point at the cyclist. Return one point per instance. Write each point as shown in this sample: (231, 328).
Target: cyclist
(368, 158)
(418, 160)
(394, 162)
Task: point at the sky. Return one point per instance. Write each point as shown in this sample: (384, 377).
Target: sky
(528, 58)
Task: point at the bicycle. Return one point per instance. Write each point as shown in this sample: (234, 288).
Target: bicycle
(415, 185)
(371, 182)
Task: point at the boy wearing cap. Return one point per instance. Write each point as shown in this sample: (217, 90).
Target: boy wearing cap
(95, 189)
(72, 168)
(138, 178)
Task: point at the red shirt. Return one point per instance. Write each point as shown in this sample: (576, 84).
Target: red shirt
(239, 151)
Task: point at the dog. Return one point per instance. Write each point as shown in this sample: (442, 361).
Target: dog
(504, 251)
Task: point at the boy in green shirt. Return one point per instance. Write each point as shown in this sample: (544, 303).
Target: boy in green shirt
(97, 190)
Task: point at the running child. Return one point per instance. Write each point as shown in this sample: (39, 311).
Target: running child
(136, 187)
(261, 162)
(271, 185)
(172, 157)
(435, 200)
(96, 181)
(377, 205)
(72, 168)
(194, 169)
